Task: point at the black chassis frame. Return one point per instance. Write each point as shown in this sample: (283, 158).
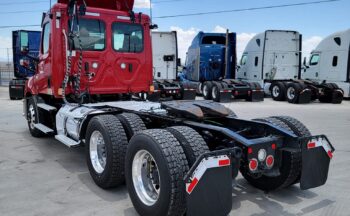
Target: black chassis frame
(222, 133)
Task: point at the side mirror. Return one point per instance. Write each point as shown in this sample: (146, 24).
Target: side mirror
(153, 26)
(304, 62)
(238, 67)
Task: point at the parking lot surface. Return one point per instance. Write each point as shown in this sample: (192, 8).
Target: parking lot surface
(43, 177)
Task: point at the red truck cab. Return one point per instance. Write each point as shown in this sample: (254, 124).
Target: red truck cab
(116, 50)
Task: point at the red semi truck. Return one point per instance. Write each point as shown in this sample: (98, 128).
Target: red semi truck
(177, 157)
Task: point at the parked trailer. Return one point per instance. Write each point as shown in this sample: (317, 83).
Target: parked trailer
(165, 69)
(274, 59)
(176, 157)
(330, 62)
(25, 47)
(211, 63)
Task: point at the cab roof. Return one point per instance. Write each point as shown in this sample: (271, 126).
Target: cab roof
(121, 5)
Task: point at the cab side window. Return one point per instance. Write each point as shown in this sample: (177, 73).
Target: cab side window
(314, 59)
(244, 59)
(46, 38)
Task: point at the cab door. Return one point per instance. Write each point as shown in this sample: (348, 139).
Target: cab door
(44, 67)
(313, 69)
(132, 56)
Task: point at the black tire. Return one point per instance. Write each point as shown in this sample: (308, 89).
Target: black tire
(289, 170)
(191, 141)
(331, 94)
(172, 166)
(32, 118)
(298, 129)
(215, 92)
(199, 89)
(293, 92)
(207, 88)
(116, 144)
(295, 125)
(278, 91)
(132, 124)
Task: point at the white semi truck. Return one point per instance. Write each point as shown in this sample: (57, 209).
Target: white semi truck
(274, 59)
(330, 61)
(165, 69)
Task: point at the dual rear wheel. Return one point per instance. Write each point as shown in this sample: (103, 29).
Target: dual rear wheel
(281, 91)
(153, 163)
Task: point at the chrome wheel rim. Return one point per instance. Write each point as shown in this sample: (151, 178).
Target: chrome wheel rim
(200, 88)
(205, 90)
(145, 177)
(214, 92)
(291, 93)
(98, 152)
(31, 117)
(275, 91)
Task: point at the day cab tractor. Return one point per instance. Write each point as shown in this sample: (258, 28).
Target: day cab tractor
(25, 47)
(176, 157)
(211, 63)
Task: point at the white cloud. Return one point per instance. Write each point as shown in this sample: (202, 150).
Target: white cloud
(310, 43)
(142, 4)
(219, 29)
(5, 42)
(242, 41)
(184, 38)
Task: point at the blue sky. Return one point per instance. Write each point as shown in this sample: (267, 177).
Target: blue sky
(313, 21)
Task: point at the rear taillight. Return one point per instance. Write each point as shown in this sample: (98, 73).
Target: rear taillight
(253, 164)
(270, 160)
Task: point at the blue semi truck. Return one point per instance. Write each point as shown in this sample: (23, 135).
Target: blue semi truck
(211, 63)
(25, 46)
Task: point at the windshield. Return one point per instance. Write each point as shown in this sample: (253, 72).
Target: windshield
(127, 37)
(92, 35)
(214, 40)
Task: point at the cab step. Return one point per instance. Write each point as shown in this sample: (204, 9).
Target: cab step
(67, 141)
(46, 107)
(43, 128)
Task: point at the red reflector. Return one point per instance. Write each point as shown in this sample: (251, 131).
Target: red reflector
(192, 185)
(273, 146)
(249, 93)
(236, 93)
(311, 145)
(270, 161)
(250, 151)
(330, 154)
(253, 164)
(224, 162)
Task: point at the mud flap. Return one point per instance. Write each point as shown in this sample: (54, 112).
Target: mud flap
(16, 89)
(209, 186)
(337, 96)
(189, 94)
(317, 153)
(305, 96)
(225, 96)
(256, 96)
(154, 97)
